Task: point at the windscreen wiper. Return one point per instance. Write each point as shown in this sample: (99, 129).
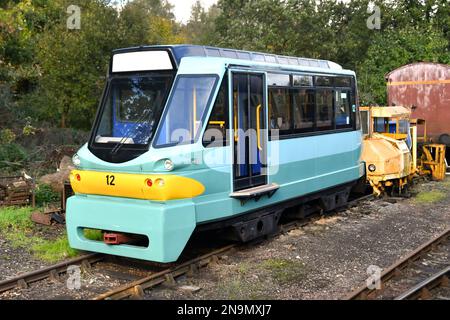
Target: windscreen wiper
(129, 132)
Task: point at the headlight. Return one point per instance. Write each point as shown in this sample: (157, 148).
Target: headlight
(76, 160)
(372, 168)
(160, 182)
(168, 165)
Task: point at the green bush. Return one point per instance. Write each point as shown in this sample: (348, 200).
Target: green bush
(12, 155)
(44, 195)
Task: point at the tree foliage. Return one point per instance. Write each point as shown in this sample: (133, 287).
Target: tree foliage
(56, 75)
(411, 31)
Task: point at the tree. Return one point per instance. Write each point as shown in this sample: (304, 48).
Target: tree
(394, 49)
(147, 22)
(200, 28)
(73, 64)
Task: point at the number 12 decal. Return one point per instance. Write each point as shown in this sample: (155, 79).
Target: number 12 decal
(110, 180)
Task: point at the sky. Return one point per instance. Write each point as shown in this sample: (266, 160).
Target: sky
(182, 8)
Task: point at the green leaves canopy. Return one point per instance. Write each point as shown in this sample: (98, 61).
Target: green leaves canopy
(56, 75)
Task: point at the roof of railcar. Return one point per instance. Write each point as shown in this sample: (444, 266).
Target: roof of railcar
(182, 51)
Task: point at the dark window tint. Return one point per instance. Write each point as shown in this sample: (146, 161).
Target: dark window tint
(324, 81)
(343, 110)
(303, 81)
(379, 125)
(279, 110)
(303, 110)
(343, 82)
(365, 121)
(324, 110)
(279, 80)
(216, 130)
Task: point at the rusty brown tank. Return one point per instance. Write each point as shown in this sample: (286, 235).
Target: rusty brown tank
(425, 88)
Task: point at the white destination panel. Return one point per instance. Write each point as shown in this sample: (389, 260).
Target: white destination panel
(141, 61)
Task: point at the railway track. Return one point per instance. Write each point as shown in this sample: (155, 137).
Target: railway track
(154, 276)
(423, 274)
(52, 272)
(136, 289)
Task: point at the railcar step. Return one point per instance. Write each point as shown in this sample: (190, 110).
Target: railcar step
(267, 189)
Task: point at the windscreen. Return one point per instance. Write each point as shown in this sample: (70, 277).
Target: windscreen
(131, 110)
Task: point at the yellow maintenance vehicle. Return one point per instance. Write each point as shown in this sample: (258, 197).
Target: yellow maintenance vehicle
(390, 150)
(432, 159)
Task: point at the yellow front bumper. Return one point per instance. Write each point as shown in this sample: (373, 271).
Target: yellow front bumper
(135, 186)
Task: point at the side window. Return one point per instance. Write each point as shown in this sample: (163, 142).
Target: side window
(279, 80)
(304, 105)
(365, 118)
(322, 81)
(343, 108)
(280, 110)
(216, 129)
(324, 109)
(186, 110)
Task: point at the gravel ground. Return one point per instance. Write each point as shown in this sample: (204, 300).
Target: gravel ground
(14, 261)
(101, 277)
(326, 259)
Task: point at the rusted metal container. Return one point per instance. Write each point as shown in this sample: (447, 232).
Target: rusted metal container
(425, 88)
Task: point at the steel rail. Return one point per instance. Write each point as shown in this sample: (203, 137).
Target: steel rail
(136, 288)
(52, 272)
(364, 293)
(423, 289)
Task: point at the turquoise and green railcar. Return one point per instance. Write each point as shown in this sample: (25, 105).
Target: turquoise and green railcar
(190, 138)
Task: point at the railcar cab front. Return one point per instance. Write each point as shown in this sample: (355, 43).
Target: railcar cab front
(137, 89)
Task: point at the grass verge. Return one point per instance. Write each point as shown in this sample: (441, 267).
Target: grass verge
(52, 251)
(429, 197)
(16, 226)
(285, 271)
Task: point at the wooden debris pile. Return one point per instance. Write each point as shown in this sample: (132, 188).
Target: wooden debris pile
(16, 191)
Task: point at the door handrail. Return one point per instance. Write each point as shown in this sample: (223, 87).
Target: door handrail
(258, 126)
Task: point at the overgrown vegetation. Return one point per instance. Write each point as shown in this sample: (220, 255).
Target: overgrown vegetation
(16, 226)
(250, 279)
(240, 289)
(44, 195)
(52, 77)
(92, 234)
(15, 219)
(285, 271)
(428, 197)
(56, 75)
(55, 250)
